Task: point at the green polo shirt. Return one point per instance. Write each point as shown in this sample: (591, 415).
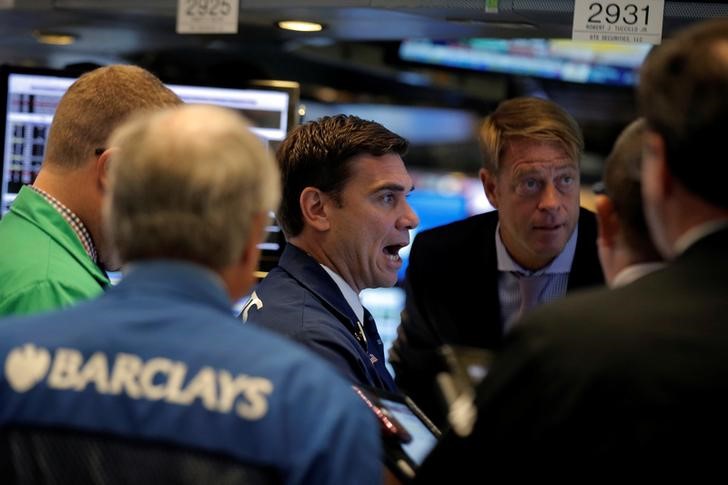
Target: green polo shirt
(43, 265)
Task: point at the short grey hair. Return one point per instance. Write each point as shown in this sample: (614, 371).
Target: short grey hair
(185, 183)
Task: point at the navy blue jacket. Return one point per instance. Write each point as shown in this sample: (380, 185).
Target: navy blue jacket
(299, 299)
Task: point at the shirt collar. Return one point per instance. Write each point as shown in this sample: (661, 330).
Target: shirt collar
(349, 294)
(698, 232)
(73, 220)
(561, 264)
(634, 272)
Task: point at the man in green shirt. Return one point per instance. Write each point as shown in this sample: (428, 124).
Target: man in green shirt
(53, 248)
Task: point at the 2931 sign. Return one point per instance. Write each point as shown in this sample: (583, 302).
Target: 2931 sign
(205, 8)
(613, 13)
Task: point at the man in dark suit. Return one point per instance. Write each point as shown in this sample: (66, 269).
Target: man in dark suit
(345, 215)
(635, 377)
(536, 247)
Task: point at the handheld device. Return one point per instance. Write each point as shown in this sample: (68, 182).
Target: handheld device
(408, 434)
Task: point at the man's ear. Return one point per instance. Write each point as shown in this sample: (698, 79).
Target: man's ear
(315, 207)
(489, 179)
(607, 220)
(103, 163)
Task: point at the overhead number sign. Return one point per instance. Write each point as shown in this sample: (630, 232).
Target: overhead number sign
(207, 16)
(628, 21)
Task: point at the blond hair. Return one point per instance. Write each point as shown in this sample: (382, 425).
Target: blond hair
(95, 104)
(529, 118)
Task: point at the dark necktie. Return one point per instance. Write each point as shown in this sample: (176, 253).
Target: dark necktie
(376, 354)
(370, 331)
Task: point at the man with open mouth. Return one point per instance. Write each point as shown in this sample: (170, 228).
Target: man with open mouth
(345, 216)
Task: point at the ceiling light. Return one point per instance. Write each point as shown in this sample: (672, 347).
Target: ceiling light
(54, 38)
(300, 26)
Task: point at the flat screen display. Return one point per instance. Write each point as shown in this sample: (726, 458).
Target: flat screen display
(408, 435)
(559, 59)
(423, 439)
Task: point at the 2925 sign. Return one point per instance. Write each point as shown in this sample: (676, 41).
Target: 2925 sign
(204, 8)
(613, 13)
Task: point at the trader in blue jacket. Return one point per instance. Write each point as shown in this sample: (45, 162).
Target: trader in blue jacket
(160, 358)
(345, 216)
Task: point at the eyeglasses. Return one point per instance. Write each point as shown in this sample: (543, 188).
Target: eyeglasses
(599, 188)
(99, 151)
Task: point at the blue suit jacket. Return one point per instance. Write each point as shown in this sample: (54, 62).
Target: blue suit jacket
(160, 357)
(300, 300)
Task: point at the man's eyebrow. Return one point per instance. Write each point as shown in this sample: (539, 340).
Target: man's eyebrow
(394, 187)
(520, 171)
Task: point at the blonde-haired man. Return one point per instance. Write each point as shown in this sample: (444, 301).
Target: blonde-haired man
(160, 358)
(54, 251)
(538, 246)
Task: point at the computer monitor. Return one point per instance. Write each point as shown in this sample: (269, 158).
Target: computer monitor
(592, 62)
(29, 99)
